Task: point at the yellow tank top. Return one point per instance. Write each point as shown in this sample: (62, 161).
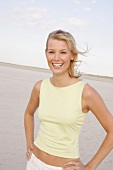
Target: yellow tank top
(61, 119)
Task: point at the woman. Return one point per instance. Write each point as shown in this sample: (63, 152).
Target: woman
(63, 102)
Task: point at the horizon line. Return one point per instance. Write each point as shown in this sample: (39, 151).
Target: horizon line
(34, 68)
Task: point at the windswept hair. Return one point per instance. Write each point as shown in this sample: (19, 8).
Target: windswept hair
(69, 39)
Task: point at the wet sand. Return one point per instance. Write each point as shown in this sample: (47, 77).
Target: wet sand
(16, 84)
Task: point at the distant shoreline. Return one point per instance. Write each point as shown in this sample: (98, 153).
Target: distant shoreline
(33, 68)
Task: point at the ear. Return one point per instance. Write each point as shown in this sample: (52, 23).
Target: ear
(72, 58)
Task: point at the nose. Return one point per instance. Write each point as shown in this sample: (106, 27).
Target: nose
(57, 56)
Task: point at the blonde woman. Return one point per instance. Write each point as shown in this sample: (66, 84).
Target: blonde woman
(63, 102)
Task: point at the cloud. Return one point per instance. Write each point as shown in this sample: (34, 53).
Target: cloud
(93, 1)
(77, 1)
(87, 9)
(76, 22)
(32, 1)
(100, 18)
(29, 16)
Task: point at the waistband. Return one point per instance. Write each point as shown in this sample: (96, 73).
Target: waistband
(44, 165)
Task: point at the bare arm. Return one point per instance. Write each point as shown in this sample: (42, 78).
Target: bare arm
(29, 117)
(94, 102)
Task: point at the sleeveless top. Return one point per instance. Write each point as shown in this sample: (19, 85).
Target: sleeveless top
(61, 119)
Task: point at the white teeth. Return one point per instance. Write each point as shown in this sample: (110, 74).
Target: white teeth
(57, 65)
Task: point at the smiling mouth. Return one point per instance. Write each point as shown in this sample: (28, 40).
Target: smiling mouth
(57, 65)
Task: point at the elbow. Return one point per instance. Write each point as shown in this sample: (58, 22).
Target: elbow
(28, 117)
(110, 134)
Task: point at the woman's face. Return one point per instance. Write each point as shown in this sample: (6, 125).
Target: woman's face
(58, 56)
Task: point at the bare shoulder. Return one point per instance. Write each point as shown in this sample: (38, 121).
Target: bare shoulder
(37, 85)
(89, 92)
(34, 99)
(36, 88)
(91, 98)
(94, 102)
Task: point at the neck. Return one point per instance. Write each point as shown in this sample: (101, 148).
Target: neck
(61, 80)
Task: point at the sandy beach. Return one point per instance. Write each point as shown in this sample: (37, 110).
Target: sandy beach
(16, 84)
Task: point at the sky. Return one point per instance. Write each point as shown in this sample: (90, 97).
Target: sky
(25, 25)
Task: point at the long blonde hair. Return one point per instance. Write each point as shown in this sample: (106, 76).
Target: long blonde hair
(69, 39)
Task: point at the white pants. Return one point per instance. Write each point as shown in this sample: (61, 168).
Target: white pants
(35, 164)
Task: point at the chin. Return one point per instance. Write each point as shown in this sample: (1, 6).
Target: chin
(59, 72)
(56, 72)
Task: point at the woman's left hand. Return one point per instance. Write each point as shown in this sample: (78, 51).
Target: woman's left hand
(75, 165)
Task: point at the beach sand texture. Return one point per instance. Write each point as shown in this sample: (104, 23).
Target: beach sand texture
(16, 84)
